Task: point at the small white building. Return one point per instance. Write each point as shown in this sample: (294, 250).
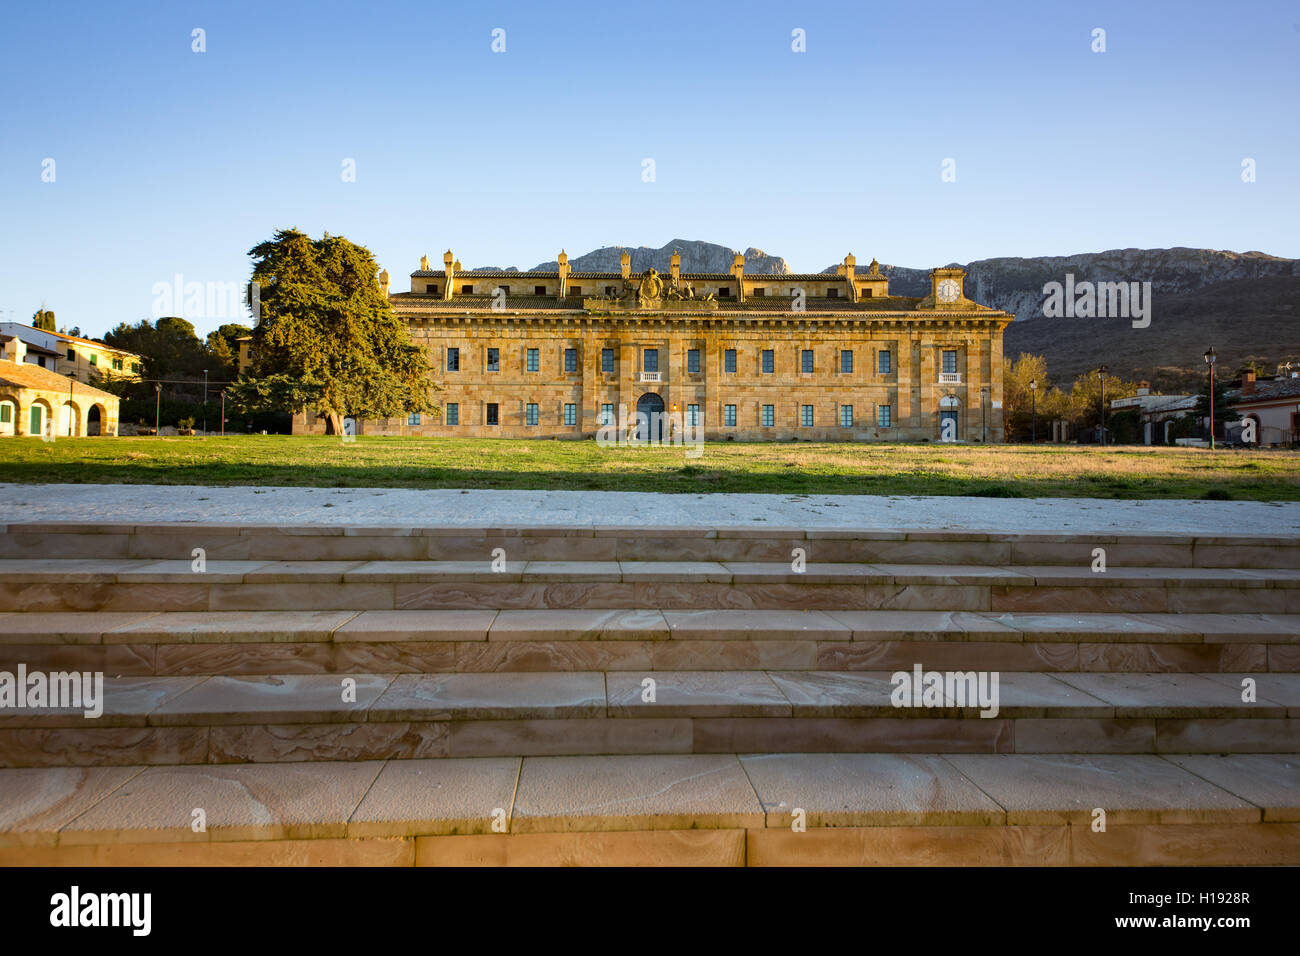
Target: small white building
(1156, 413)
(1273, 404)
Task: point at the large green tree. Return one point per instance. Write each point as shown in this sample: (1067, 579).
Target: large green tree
(170, 347)
(327, 338)
(43, 319)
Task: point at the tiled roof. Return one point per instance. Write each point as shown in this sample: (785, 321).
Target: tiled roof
(26, 375)
(1275, 390)
(72, 338)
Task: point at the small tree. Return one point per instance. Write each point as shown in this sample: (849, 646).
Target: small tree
(1018, 400)
(328, 338)
(43, 320)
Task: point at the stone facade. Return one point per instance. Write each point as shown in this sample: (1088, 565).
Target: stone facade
(821, 357)
(35, 401)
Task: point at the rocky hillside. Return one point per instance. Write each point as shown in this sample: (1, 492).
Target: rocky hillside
(1016, 285)
(697, 256)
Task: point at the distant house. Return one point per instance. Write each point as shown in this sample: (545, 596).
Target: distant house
(1273, 404)
(37, 401)
(1156, 413)
(83, 359)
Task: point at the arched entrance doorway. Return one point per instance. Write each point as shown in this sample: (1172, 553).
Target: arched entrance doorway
(949, 425)
(650, 418)
(95, 420)
(69, 421)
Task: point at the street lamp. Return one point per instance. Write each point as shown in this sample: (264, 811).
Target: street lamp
(223, 413)
(157, 406)
(1033, 404)
(1209, 360)
(205, 403)
(1101, 376)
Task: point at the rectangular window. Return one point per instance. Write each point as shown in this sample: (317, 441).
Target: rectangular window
(769, 416)
(807, 361)
(609, 290)
(532, 360)
(431, 289)
(884, 415)
(832, 293)
(530, 413)
(729, 360)
(886, 362)
(729, 416)
(769, 361)
(94, 359)
(759, 291)
(570, 360)
(493, 416)
(72, 355)
(846, 416)
(724, 293)
(692, 415)
(693, 360)
(467, 288)
(453, 360)
(570, 414)
(539, 290)
(950, 360)
(453, 413)
(503, 289)
(806, 416)
(607, 414)
(846, 361)
(575, 290)
(117, 364)
(494, 360)
(414, 419)
(6, 413)
(135, 367)
(651, 360)
(607, 361)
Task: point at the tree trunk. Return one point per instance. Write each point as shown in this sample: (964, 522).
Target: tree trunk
(335, 423)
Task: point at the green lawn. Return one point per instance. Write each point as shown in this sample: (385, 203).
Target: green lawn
(802, 468)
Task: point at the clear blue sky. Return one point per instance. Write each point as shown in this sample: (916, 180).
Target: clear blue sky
(169, 161)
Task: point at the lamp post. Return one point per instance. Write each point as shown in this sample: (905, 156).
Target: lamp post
(157, 407)
(984, 413)
(1033, 405)
(1209, 360)
(1101, 376)
(205, 402)
(223, 413)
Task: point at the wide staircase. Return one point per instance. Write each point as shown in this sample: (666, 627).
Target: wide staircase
(676, 696)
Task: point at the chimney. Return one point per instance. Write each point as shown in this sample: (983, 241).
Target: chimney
(738, 270)
(15, 349)
(383, 282)
(448, 275)
(1144, 388)
(562, 266)
(675, 265)
(625, 264)
(1248, 382)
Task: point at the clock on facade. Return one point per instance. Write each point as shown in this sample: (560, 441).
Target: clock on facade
(949, 290)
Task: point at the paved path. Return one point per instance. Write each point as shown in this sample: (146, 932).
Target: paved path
(401, 507)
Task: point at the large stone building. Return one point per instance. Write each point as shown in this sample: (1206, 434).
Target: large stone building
(821, 357)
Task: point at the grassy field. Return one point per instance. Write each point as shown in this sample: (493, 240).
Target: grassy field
(789, 468)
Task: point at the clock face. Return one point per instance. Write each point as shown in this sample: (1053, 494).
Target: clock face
(949, 290)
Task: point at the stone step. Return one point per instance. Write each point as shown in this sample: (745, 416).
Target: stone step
(176, 541)
(684, 809)
(372, 716)
(69, 584)
(176, 643)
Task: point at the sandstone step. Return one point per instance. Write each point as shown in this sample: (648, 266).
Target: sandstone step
(108, 584)
(721, 809)
(176, 541)
(350, 641)
(328, 717)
